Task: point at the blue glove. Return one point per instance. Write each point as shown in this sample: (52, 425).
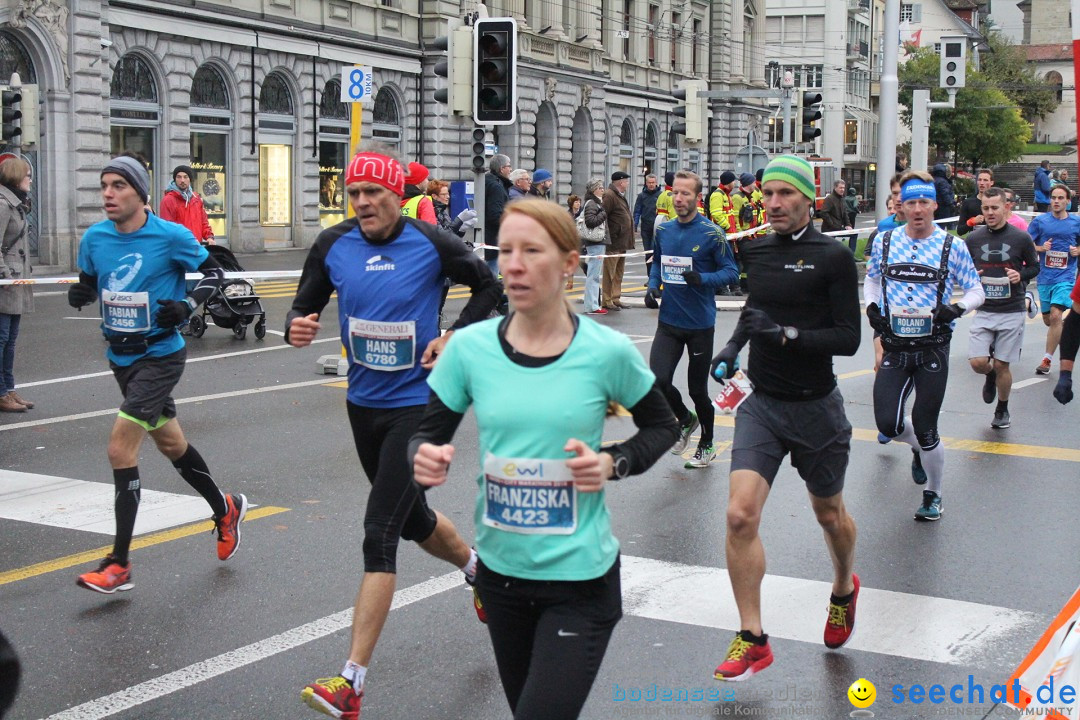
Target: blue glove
(725, 364)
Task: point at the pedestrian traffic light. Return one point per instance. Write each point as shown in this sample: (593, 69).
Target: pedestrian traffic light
(692, 108)
(10, 116)
(495, 71)
(953, 62)
(28, 108)
(457, 69)
(479, 150)
(807, 112)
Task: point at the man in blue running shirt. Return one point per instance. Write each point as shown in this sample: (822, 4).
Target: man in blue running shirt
(691, 261)
(1056, 235)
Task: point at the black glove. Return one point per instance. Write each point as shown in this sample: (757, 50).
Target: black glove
(945, 314)
(877, 321)
(1064, 392)
(650, 299)
(172, 313)
(692, 278)
(758, 323)
(80, 295)
(725, 363)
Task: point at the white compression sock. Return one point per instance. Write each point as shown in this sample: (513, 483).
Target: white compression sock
(469, 568)
(907, 435)
(355, 674)
(933, 462)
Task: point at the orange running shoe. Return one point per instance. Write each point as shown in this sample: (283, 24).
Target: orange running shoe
(334, 697)
(228, 526)
(108, 578)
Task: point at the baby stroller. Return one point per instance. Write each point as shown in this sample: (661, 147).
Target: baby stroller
(234, 305)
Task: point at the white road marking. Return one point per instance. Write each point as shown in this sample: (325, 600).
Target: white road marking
(196, 673)
(180, 401)
(893, 623)
(190, 360)
(81, 505)
(1029, 382)
(919, 627)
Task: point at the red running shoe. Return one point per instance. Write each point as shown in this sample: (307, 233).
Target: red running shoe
(841, 622)
(108, 578)
(744, 659)
(334, 697)
(228, 526)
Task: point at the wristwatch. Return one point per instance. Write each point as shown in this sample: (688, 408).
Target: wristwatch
(620, 466)
(790, 333)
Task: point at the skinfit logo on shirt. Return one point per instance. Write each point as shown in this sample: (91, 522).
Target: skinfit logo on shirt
(379, 262)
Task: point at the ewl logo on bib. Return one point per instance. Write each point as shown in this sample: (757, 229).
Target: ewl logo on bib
(379, 262)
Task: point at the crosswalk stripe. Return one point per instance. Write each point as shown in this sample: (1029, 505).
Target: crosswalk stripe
(920, 627)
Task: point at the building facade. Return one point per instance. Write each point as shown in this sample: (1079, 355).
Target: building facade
(1049, 23)
(826, 46)
(247, 92)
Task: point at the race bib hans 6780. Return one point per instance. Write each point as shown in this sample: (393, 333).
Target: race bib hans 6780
(525, 495)
(125, 312)
(385, 346)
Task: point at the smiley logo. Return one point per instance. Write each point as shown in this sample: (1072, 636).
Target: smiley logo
(862, 693)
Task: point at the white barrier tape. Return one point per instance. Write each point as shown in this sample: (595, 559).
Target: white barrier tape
(260, 275)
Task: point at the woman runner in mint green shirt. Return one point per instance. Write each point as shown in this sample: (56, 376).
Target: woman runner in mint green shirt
(541, 381)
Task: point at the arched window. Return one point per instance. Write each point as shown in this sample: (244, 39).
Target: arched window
(330, 105)
(14, 58)
(208, 89)
(650, 148)
(133, 80)
(1054, 78)
(386, 119)
(626, 147)
(274, 97)
(333, 154)
(673, 163)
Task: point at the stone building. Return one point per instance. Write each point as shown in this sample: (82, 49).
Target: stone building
(247, 92)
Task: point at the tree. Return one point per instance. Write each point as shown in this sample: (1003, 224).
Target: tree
(1006, 68)
(985, 128)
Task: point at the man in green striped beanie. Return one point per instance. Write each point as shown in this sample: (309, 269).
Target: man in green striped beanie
(802, 309)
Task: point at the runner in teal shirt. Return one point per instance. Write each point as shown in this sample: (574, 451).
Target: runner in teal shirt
(541, 381)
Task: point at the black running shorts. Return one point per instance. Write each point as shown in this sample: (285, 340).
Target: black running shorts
(147, 386)
(815, 432)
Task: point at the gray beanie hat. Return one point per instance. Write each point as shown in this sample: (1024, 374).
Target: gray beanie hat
(133, 171)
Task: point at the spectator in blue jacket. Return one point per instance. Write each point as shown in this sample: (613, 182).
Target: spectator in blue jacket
(1042, 187)
(645, 215)
(946, 198)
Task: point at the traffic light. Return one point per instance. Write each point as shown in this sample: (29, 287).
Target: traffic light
(807, 112)
(953, 62)
(457, 69)
(10, 116)
(29, 110)
(495, 71)
(479, 150)
(692, 108)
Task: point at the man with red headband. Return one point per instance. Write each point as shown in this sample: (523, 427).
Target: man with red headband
(387, 271)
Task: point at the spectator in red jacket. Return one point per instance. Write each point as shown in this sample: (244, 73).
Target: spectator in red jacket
(183, 205)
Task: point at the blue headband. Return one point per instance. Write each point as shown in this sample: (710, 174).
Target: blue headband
(917, 189)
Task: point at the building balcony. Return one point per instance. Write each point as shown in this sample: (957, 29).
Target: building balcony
(858, 6)
(858, 51)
